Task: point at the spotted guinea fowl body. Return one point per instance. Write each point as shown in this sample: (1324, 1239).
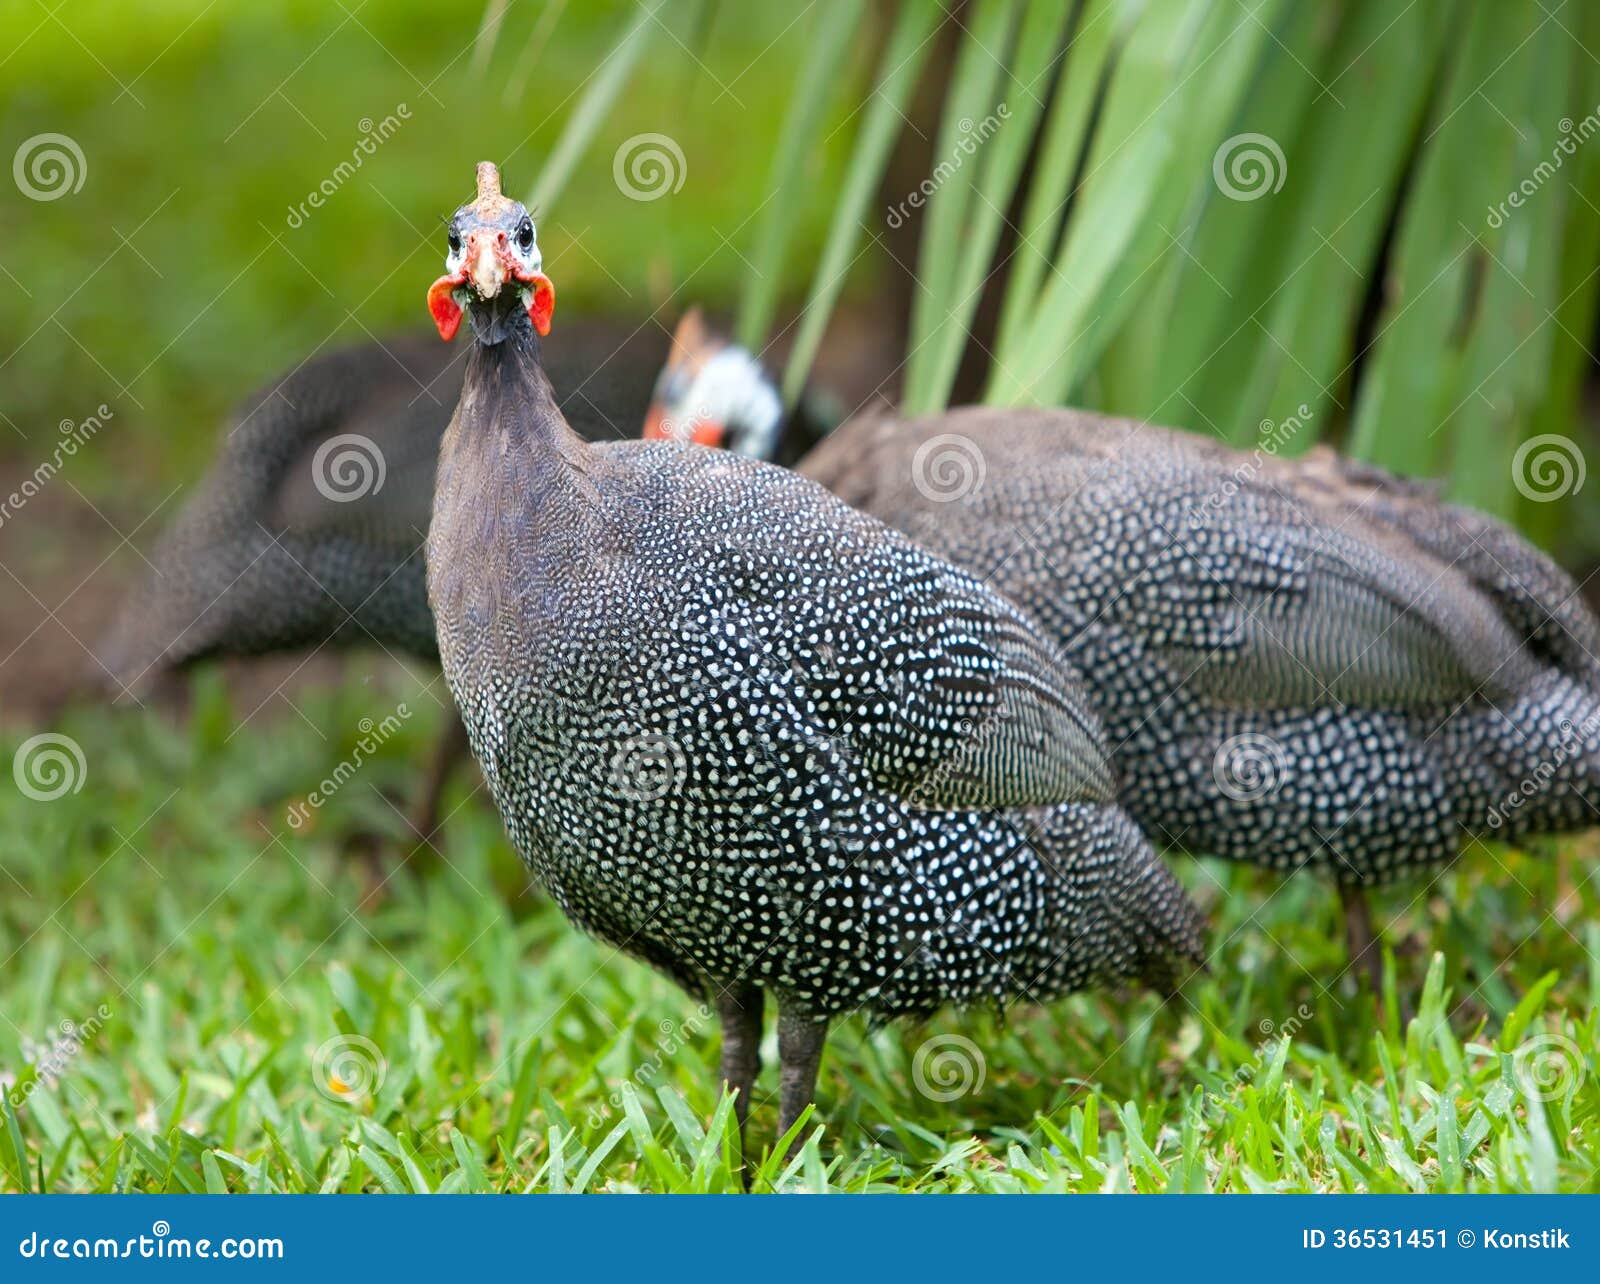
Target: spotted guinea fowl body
(1298, 662)
(735, 727)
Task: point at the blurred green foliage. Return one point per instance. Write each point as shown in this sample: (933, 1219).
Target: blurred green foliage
(173, 282)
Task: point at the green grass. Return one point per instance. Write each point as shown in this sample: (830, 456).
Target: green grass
(227, 948)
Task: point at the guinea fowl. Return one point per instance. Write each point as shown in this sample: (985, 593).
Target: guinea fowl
(307, 531)
(1300, 663)
(750, 735)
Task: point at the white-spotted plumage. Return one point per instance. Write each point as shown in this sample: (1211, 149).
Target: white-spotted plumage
(757, 738)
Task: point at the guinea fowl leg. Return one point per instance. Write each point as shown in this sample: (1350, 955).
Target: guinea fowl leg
(452, 748)
(1359, 937)
(800, 1040)
(380, 858)
(739, 1010)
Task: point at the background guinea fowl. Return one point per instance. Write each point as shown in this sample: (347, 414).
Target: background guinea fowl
(818, 702)
(1301, 663)
(280, 549)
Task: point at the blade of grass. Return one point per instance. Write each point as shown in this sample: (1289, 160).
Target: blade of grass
(1226, 59)
(594, 104)
(1233, 261)
(1435, 283)
(901, 63)
(1102, 27)
(1038, 47)
(494, 15)
(815, 86)
(989, 32)
(1149, 105)
(1312, 322)
(1504, 365)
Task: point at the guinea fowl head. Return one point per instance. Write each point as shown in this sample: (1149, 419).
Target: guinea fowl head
(714, 393)
(493, 269)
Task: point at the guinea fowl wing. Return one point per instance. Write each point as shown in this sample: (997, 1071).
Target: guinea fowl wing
(953, 699)
(1255, 591)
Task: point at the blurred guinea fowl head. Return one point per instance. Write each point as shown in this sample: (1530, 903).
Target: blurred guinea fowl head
(714, 393)
(493, 270)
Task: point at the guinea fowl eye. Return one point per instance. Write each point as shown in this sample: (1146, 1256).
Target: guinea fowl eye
(525, 235)
(455, 241)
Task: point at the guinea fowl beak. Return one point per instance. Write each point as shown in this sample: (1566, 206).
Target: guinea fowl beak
(702, 432)
(489, 262)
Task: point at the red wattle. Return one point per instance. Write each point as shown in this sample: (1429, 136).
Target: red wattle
(446, 312)
(543, 304)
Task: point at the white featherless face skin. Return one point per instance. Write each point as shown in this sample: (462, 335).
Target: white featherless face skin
(712, 392)
(734, 390)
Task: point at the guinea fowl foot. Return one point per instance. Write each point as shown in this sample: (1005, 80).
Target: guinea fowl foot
(800, 1041)
(739, 1010)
